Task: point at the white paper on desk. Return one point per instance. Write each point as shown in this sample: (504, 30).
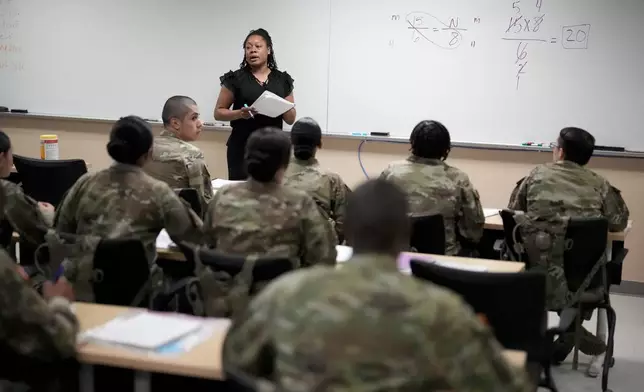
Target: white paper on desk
(218, 183)
(490, 212)
(344, 253)
(164, 241)
(272, 105)
(145, 330)
(194, 339)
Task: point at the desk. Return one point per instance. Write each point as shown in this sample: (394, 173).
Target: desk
(204, 361)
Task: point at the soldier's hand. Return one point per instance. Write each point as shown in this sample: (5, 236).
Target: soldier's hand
(61, 288)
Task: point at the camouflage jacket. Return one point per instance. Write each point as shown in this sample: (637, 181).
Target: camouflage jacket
(434, 187)
(124, 202)
(29, 326)
(180, 165)
(269, 219)
(366, 327)
(326, 188)
(22, 213)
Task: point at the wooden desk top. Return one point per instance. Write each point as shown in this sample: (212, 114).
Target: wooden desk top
(204, 361)
(495, 222)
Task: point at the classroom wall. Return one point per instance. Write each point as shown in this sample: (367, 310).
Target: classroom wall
(494, 173)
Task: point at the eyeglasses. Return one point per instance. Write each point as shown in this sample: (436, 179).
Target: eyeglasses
(554, 145)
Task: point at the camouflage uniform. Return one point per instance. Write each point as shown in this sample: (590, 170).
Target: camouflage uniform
(327, 189)
(23, 213)
(434, 187)
(366, 327)
(28, 325)
(550, 195)
(269, 219)
(124, 202)
(180, 165)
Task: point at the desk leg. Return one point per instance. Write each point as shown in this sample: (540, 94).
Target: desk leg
(86, 378)
(142, 382)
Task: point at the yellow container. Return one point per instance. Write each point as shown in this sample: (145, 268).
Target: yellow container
(49, 147)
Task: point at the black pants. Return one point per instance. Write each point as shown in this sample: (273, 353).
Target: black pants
(235, 157)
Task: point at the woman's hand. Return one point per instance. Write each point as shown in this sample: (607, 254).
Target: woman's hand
(247, 113)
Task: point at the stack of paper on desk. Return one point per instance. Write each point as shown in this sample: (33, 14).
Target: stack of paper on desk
(218, 183)
(164, 241)
(271, 105)
(145, 330)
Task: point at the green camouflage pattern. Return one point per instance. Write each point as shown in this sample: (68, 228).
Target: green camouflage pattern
(327, 189)
(124, 202)
(366, 327)
(252, 218)
(23, 213)
(550, 195)
(180, 165)
(434, 187)
(29, 325)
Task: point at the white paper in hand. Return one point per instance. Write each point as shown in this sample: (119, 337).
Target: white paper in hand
(271, 105)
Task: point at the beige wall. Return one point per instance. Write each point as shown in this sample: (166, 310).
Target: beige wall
(494, 173)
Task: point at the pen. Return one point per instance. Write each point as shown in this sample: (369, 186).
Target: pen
(59, 273)
(251, 113)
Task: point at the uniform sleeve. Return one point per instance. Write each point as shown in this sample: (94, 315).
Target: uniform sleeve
(319, 240)
(614, 209)
(339, 204)
(24, 215)
(248, 345)
(199, 179)
(472, 218)
(467, 354)
(30, 326)
(181, 223)
(209, 222)
(65, 218)
(519, 197)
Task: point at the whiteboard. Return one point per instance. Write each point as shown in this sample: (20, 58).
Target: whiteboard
(396, 63)
(360, 66)
(110, 58)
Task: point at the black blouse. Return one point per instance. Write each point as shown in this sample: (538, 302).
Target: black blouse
(246, 89)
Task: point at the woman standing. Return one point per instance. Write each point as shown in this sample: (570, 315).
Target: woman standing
(257, 73)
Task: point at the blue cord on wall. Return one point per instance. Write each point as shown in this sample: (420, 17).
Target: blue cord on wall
(360, 158)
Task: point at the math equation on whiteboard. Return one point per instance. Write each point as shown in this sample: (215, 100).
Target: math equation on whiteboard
(525, 27)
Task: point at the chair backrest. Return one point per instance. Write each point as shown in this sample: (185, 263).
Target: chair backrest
(266, 268)
(6, 234)
(512, 236)
(121, 271)
(513, 303)
(586, 240)
(48, 181)
(427, 234)
(191, 196)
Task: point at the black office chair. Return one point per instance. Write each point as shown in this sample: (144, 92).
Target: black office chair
(427, 234)
(514, 305)
(58, 374)
(6, 235)
(585, 246)
(512, 235)
(48, 181)
(121, 273)
(191, 196)
(228, 270)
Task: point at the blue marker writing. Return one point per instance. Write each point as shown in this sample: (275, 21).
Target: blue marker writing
(251, 113)
(359, 134)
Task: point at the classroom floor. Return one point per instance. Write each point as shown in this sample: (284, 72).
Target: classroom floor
(628, 373)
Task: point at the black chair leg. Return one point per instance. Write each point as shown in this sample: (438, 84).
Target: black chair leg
(608, 358)
(548, 381)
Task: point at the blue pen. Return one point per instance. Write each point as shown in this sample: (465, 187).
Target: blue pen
(251, 113)
(59, 273)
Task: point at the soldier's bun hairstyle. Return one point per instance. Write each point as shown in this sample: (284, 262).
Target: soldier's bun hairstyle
(267, 151)
(430, 139)
(130, 139)
(306, 136)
